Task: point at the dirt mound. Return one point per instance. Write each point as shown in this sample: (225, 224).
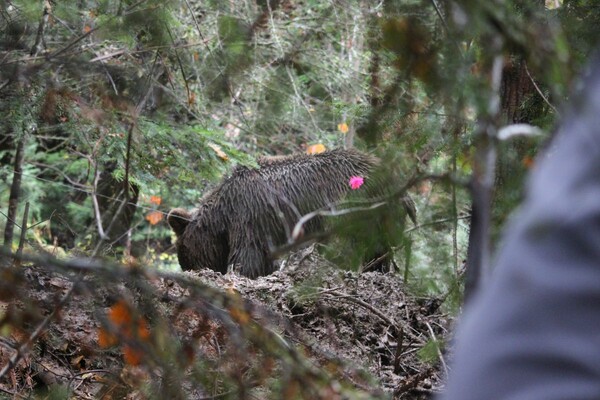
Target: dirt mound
(88, 330)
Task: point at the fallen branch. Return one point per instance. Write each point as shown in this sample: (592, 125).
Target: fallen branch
(411, 382)
(396, 324)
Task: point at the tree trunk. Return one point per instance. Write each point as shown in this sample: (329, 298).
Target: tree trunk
(520, 103)
(516, 88)
(15, 193)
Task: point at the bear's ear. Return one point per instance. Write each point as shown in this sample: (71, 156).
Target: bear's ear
(179, 219)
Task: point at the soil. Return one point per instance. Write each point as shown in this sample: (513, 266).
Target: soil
(311, 328)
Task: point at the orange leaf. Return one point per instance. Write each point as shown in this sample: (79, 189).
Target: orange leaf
(143, 331)
(315, 148)
(132, 356)
(196, 56)
(154, 217)
(155, 200)
(120, 314)
(106, 339)
(343, 127)
(87, 29)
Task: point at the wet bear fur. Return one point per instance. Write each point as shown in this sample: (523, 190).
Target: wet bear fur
(255, 209)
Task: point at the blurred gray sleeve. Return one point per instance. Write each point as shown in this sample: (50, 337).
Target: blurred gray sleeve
(534, 330)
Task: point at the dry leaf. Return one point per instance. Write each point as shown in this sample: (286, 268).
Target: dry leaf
(155, 200)
(143, 332)
(129, 327)
(220, 153)
(132, 356)
(120, 314)
(106, 339)
(315, 148)
(76, 360)
(154, 217)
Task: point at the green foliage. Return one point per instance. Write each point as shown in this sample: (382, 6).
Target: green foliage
(429, 353)
(578, 19)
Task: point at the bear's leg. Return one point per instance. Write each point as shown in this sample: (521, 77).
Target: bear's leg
(251, 261)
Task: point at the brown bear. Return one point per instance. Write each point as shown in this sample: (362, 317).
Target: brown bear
(255, 209)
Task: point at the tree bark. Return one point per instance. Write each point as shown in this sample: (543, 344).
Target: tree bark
(15, 193)
(519, 103)
(515, 89)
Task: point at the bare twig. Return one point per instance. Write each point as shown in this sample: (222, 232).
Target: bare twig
(441, 17)
(436, 222)
(112, 222)
(454, 213)
(374, 262)
(296, 232)
(193, 14)
(412, 381)
(97, 214)
(59, 171)
(399, 350)
(439, 352)
(39, 39)
(128, 157)
(539, 90)
(89, 371)
(181, 68)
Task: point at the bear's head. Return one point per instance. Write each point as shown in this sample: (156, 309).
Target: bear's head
(178, 220)
(201, 239)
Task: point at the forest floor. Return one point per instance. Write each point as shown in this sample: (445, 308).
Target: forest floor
(379, 340)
